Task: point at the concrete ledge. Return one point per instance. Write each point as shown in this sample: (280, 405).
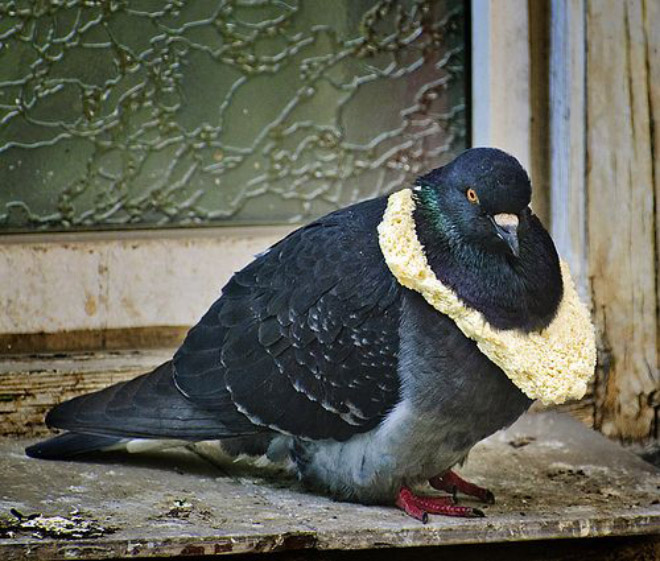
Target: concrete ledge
(553, 479)
(120, 280)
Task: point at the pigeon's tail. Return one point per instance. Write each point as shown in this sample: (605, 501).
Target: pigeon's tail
(72, 444)
(147, 407)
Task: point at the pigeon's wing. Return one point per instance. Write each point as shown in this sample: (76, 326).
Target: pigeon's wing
(149, 406)
(305, 338)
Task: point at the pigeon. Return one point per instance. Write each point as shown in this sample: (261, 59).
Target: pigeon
(323, 354)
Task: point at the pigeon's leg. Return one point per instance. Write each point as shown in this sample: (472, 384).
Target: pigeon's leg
(453, 483)
(420, 507)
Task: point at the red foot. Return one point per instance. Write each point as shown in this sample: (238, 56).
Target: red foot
(420, 507)
(452, 482)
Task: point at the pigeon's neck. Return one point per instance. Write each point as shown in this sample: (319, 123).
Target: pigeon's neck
(512, 293)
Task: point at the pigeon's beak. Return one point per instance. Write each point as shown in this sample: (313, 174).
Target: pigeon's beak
(506, 226)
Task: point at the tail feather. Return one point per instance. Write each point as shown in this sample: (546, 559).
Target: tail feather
(150, 406)
(70, 445)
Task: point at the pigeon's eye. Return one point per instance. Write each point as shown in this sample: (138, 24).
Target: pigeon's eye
(471, 195)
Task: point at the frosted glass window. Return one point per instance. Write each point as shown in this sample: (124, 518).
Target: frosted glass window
(152, 113)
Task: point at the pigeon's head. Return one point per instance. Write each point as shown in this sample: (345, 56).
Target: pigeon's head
(479, 200)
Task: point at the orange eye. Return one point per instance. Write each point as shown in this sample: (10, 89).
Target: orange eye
(471, 195)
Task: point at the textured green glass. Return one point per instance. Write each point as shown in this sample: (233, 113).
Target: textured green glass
(154, 113)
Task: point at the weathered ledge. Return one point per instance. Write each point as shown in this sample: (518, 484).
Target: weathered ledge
(553, 478)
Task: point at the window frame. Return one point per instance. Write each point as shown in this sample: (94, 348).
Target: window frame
(51, 279)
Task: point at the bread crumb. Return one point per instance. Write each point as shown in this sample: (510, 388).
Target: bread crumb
(553, 365)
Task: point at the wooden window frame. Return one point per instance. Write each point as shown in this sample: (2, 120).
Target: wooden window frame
(60, 286)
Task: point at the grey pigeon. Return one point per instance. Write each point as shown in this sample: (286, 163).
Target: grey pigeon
(314, 352)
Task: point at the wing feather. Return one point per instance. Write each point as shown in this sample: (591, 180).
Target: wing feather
(305, 338)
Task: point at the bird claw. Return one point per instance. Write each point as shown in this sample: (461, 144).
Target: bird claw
(454, 483)
(419, 507)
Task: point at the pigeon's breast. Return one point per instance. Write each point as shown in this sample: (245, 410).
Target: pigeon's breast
(452, 397)
(370, 468)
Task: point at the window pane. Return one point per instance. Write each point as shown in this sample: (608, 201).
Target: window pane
(151, 113)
